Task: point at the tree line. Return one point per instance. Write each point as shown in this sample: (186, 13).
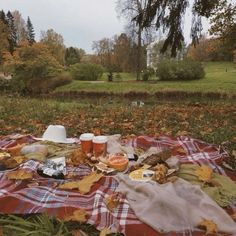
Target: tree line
(15, 32)
(127, 52)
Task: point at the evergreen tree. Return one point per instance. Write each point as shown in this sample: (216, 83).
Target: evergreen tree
(4, 33)
(12, 32)
(3, 17)
(30, 32)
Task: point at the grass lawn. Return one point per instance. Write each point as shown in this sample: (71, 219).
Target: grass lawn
(210, 121)
(220, 77)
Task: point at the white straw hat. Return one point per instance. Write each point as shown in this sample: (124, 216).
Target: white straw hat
(57, 134)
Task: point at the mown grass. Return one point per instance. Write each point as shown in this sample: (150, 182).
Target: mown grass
(220, 77)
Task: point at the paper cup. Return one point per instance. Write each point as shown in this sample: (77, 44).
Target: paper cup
(86, 142)
(99, 145)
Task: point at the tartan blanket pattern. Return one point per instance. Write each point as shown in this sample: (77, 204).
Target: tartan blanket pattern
(23, 197)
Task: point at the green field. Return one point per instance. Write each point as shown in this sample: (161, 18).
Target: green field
(220, 77)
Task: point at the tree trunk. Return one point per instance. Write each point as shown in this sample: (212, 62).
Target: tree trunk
(139, 53)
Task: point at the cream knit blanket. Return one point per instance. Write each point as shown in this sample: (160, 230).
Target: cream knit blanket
(178, 206)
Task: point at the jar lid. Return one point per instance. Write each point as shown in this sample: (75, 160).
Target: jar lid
(100, 139)
(86, 136)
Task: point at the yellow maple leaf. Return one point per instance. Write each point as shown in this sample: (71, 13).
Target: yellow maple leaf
(86, 183)
(19, 175)
(204, 173)
(209, 226)
(83, 185)
(112, 202)
(69, 185)
(105, 232)
(78, 215)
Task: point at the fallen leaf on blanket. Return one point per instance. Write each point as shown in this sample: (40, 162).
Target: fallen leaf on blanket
(105, 232)
(204, 173)
(112, 201)
(83, 185)
(19, 159)
(78, 215)
(19, 175)
(233, 216)
(209, 226)
(9, 163)
(181, 151)
(70, 175)
(86, 183)
(4, 155)
(69, 185)
(76, 158)
(78, 232)
(32, 185)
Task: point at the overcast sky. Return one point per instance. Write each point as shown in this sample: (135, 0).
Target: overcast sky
(80, 22)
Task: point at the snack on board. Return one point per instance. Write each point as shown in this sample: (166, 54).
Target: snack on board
(118, 161)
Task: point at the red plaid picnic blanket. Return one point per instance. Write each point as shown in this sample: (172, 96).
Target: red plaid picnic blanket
(24, 197)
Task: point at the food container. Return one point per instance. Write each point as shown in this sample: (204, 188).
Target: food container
(99, 146)
(86, 142)
(118, 161)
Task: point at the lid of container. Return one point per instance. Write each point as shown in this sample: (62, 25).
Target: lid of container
(86, 136)
(100, 139)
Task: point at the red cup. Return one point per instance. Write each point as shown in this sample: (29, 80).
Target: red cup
(99, 146)
(86, 142)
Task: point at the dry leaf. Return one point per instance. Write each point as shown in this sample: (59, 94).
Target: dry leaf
(19, 175)
(181, 151)
(19, 159)
(69, 185)
(83, 185)
(78, 232)
(1, 231)
(86, 183)
(209, 226)
(105, 232)
(70, 175)
(78, 215)
(233, 216)
(160, 173)
(112, 201)
(32, 185)
(76, 158)
(204, 173)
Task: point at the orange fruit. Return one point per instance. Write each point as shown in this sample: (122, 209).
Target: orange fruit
(118, 162)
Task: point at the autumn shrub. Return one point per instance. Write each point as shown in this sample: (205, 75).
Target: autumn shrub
(32, 66)
(86, 71)
(38, 86)
(180, 70)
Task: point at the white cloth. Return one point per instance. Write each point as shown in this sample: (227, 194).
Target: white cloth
(178, 206)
